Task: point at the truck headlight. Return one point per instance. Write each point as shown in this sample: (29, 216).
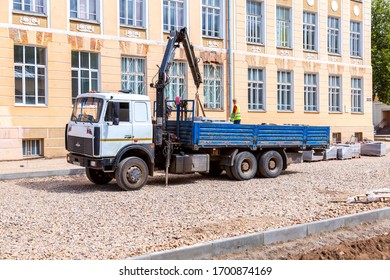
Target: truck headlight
(93, 163)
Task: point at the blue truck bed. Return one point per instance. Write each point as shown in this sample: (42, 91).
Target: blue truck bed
(204, 134)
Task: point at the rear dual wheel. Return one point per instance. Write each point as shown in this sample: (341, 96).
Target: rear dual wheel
(270, 164)
(244, 167)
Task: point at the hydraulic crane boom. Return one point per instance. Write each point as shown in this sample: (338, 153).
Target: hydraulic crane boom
(174, 40)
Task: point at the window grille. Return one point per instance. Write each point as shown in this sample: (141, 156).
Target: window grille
(255, 89)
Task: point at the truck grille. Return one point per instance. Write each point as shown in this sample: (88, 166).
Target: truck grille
(80, 145)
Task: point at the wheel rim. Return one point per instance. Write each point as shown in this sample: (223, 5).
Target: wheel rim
(134, 174)
(245, 166)
(272, 164)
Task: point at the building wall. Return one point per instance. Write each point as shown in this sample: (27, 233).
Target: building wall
(60, 35)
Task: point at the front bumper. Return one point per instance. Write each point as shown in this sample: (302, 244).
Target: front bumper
(105, 164)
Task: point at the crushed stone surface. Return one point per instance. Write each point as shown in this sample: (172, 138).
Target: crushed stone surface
(68, 217)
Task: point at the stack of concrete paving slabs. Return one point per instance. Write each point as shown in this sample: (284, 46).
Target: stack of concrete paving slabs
(330, 153)
(356, 150)
(344, 151)
(311, 156)
(373, 149)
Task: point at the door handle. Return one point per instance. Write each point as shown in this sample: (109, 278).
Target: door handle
(129, 136)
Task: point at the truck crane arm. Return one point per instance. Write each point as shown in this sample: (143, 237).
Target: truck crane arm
(174, 40)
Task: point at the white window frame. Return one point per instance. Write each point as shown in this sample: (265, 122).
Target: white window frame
(334, 35)
(285, 91)
(309, 31)
(356, 38)
(213, 86)
(172, 10)
(34, 6)
(86, 15)
(91, 72)
(256, 90)
(284, 27)
(254, 23)
(335, 94)
(177, 77)
(357, 95)
(310, 92)
(210, 8)
(133, 73)
(24, 75)
(138, 23)
(32, 147)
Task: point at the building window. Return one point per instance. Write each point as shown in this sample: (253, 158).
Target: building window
(85, 73)
(334, 94)
(212, 88)
(283, 27)
(311, 92)
(177, 81)
(285, 91)
(132, 13)
(34, 6)
(336, 137)
(355, 39)
(358, 137)
(254, 21)
(356, 95)
(32, 147)
(84, 9)
(256, 89)
(333, 35)
(212, 18)
(133, 74)
(173, 15)
(30, 75)
(309, 31)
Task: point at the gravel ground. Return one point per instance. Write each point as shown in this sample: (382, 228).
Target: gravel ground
(70, 218)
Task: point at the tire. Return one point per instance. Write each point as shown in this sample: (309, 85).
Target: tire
(270, 164)
(258, 174)
(97, 176)
(245, 166)
(131, 174)
(229, 173)
(214, 171)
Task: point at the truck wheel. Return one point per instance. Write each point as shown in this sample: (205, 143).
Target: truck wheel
(97, 176)
(270, 164)
(229, 173)
(245, 166)
(131, 173)
(214, 171)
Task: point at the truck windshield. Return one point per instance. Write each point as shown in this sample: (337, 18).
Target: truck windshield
(87, 109)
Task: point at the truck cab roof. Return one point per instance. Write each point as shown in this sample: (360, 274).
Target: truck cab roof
(112, 95)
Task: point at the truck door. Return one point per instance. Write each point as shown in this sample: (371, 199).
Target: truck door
(142, 125)
(116, 134)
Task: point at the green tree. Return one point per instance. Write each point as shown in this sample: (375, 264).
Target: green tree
(380, 53)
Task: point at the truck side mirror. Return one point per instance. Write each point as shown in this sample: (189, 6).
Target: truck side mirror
(115, 119)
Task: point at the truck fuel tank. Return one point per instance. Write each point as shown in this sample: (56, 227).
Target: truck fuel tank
(181, 164)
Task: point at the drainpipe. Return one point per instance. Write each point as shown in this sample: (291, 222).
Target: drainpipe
(230, 56)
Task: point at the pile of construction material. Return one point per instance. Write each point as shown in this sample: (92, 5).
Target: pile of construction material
(346, 151)
(373, 149)
(371, 196)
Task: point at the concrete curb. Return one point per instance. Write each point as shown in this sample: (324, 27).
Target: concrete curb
(248, 241)
(47, 173)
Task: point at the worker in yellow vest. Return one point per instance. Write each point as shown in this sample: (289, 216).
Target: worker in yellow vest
(235, 116)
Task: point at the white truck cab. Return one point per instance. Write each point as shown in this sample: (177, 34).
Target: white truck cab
(106, 125)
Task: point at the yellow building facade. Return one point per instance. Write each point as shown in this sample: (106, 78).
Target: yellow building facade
(288, 62)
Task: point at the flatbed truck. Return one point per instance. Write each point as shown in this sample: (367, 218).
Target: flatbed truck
(115, 135)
